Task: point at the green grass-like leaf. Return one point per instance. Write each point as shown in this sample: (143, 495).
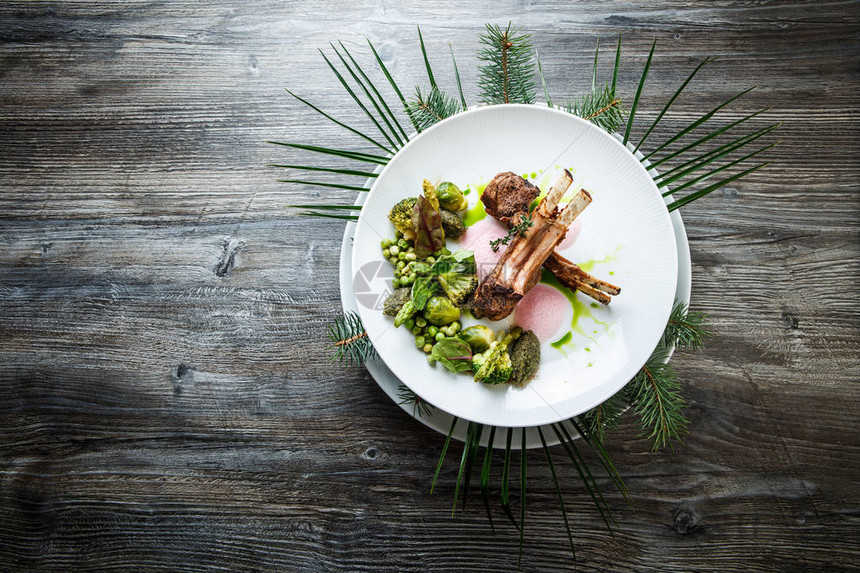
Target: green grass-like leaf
(635, 105)
(327, 170)
(355, 97)
(584, 472)
(485, 475)
(354, 155)
(366, 80)
(597, 447)
(711, 188)
(506, 474)
(523, 468)
(391, 81)
(457, 77)
(442, 455)
(708, 174)
(699, 121)
(340, 123)
(549, 462)
(543, 80)
(325, 184)
(666, 107)
(426, 60)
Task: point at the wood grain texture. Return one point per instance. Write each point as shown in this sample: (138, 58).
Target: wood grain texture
(165, 399)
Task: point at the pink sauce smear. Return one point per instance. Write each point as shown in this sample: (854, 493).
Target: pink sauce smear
(543, 309)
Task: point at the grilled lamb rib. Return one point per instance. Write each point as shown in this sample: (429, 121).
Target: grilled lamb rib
(519, 268)
(507, 198)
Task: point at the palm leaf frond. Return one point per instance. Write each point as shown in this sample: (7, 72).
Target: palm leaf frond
(635, 105)
(444, 451)
(346, 154)
(366, 80)
(357, 99)
(485, 475)
(666, 107)
(551, 465)
(340, 123)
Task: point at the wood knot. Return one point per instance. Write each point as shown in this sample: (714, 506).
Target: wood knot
(371, 453)
(684, 521)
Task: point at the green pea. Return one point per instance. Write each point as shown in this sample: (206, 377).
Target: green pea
(420, 342)
(403, 244)
(401, 256)
(420, 321)
(410, 257)
(409, 324)
(400, 265)
(386, 253)
(440, 336)
(431, 259)
(393, 250)
(395, 283)
(454, 327)
(427, 348)
(416, 330)
(385, 243)
(432, 330)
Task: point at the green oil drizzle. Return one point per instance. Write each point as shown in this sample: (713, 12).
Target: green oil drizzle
(588, 266)
(476, 212)
(562, 341)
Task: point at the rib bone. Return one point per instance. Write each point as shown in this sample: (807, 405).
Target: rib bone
(507, 199)
(520, 266)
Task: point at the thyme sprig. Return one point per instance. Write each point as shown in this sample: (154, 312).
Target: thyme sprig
(518, 229)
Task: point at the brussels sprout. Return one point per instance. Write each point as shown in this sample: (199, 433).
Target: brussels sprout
(450, 197)
(452, 224)
(479, 337)
(441, 311)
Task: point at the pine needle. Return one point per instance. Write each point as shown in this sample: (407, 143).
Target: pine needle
(507, 76)
(686, 329)
(429, 109)
(420, 407)
(351, 344)
(604, 417)
(655, 396)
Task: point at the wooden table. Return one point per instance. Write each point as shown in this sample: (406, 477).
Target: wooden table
(167, 400)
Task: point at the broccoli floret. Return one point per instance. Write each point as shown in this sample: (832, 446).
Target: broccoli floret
(494, 366)
(401, 217)
(452, 224)
(458, 286)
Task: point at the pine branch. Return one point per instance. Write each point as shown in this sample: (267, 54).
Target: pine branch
(655, 396)
(601, 107)
(420, 407)
(507, 76)
(426, 110)
(685, 329)
(350, 341)
(604, 417)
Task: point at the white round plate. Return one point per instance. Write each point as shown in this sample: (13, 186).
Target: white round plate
(626, 224)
